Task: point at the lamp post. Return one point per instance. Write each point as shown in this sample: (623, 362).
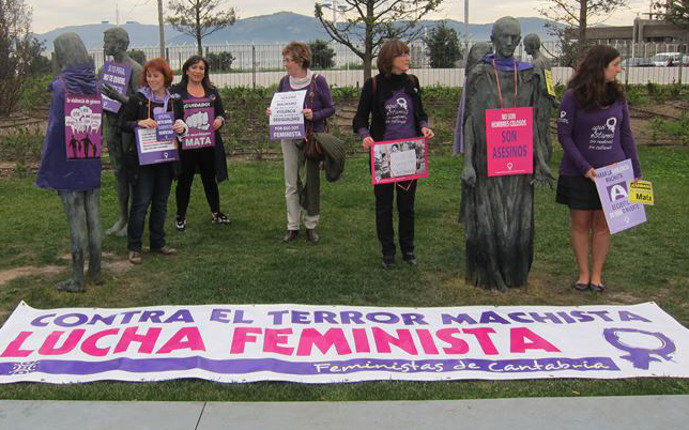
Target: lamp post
(161, 28)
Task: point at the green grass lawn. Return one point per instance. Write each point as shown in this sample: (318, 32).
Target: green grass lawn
(247, 263)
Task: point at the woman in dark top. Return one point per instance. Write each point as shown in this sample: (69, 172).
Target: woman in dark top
(390, 119)
(210, 162)
(152, 182)
(593, 129)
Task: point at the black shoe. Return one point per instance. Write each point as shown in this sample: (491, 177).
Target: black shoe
(290, 235)
(580, 287)
(388, 260)
(312, 236)
(410, 258)
(181, 224)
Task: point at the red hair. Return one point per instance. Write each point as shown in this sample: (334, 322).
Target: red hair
(160, 65)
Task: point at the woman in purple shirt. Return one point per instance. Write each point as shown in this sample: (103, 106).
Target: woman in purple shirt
(318, 105)
(390, 108)
(593, 129)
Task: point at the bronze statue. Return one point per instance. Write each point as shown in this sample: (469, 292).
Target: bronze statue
(116, 42)
(532, 46)
(499, 210)
(77, 182)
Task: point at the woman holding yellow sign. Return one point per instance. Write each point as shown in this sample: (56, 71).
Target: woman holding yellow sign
(594, 131)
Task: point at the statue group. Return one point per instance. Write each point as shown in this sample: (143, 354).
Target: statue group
(497, 210)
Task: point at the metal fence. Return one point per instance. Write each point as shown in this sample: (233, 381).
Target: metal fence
(261, 64)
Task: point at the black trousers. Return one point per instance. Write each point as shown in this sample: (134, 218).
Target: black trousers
(385, 194)
(204, 160)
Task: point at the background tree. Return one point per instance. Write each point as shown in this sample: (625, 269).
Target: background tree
(18, 51)
(137, 55)
(368, 23)
(199, 18)
(220, 62)
(577, 15)
(674, 11)
(322, 54)
(443, 46)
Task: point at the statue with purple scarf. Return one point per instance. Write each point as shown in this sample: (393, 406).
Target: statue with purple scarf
(498, 210)
(77, 181)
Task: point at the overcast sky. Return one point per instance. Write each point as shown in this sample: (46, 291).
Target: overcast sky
(50, 14)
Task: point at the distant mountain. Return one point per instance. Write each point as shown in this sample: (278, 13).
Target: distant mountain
(279, 28)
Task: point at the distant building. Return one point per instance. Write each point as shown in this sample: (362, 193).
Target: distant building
(643, 30)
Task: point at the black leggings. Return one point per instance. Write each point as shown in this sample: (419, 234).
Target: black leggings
(204, 160)
(385, 194)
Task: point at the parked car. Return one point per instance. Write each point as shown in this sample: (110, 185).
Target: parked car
(638, 62)
(667, 59)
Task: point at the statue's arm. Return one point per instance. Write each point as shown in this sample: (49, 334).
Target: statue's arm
(543, 175)
(469, 172)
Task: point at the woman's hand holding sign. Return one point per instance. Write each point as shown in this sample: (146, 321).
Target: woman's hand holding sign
(147, 123)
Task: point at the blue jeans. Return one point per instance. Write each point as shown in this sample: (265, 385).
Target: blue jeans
(151, 188)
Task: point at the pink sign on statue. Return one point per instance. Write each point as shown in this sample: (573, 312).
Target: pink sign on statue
(509, 141)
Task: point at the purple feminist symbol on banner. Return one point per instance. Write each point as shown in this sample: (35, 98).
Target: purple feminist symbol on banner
(640, 357)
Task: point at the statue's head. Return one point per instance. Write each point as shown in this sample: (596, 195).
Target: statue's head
(476, 53)
(532, 43)
(70, 51)
(115, 41)
(506, 36)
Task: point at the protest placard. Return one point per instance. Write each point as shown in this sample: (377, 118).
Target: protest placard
(115, 75)
(509, 141)
(612, 185)
(83, 126)
(287, 117)
(399, 160)
(199, 115)
(153, 151)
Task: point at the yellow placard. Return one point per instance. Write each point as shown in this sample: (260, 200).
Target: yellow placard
(549, 82)
(641, 192)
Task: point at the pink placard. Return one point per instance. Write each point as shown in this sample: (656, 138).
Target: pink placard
(509, 141)
(399, 160)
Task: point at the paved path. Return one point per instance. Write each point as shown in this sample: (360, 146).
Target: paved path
(605, 413)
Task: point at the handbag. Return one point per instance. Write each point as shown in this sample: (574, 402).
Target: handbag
(312, 148)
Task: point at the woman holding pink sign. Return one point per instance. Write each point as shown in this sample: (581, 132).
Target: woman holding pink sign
(594, 131)
(152, 172)
(202, 148)
(390, 108)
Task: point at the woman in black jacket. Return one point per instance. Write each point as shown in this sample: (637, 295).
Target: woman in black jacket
(210, 162)
(151, 182)
(392, 99)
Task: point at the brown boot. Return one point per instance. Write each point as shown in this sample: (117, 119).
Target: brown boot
(312, 236)
(290, 235)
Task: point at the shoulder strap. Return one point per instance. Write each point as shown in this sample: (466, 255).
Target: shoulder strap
(374, 84)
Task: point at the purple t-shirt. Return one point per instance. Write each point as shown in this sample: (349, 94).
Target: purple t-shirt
(323, 104)
(399, 116)
(594, 138)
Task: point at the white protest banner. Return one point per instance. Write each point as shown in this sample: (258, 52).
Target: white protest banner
(324, 344)
(287, 116)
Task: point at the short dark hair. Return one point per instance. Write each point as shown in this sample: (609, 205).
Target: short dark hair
(161, 66)
(299, 52)
(388, 52)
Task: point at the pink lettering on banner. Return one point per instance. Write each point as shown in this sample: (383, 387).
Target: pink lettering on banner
(241, 336)
(185, 338)
(14, 347)
(457, 345)
(404, 340)
(147, 340)
(361, 340)
(333, 337)
(427, 341)
(49, 345)
(274, 338)
(521, 339)
(483, 337)
(90, 347)
(509, 141)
